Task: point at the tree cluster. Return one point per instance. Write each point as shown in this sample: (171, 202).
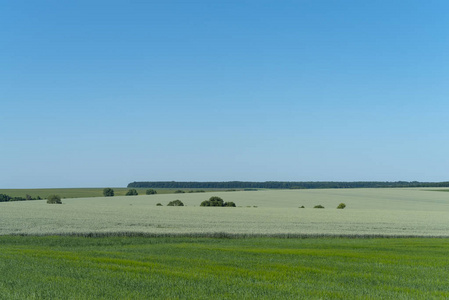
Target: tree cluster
(132, 192)
(108, 192)
(151, 192)
(7, 198)
(54, 199)
(175, 203)
(217, 201)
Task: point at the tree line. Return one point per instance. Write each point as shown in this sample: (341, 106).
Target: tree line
(7, 198)
(283, 184)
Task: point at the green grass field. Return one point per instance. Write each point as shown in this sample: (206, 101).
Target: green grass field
(203, 268)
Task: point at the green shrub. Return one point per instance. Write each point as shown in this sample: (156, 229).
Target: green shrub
(341, 206)
(205, 203)
(302, 206)
(318, 206)
(132, 192)
(4, 198)
(108, 192)
(175, 203)
(151, 192)
(179, 192)
(213, 201)
(159, 204)
(54, 199)
(217, 201)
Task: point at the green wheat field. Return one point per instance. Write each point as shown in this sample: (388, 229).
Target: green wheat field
(206, 268)
(384, 212)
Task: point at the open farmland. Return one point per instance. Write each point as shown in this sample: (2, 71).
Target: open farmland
(81, 192)
(205, 268)
(390, 212)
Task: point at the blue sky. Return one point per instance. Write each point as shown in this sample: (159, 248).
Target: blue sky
(103, 93)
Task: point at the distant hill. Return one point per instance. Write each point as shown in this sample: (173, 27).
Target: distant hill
(283, 184)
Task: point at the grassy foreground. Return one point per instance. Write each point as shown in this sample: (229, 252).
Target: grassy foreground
(198, 268)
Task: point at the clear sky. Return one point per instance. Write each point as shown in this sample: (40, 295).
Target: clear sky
(103, 93)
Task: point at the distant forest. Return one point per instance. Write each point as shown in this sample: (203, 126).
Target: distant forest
(283, 184)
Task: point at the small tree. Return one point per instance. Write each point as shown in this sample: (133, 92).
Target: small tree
(341, 206)
(175, 203)
(318, 206)
(54, 199)
(132, 192)
(108, 192)
(151, 192)
(159, 204)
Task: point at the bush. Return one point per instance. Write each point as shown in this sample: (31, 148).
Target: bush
(179, 192)
(159, 204)
(175, 203)
(318, 206)
(4, 198)
(213, 201)
(108, 192)
(151, 192)
(54, 199)
(217, 201)
(132, 192)
(205, 203)
(302, 206)
(341, 206)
